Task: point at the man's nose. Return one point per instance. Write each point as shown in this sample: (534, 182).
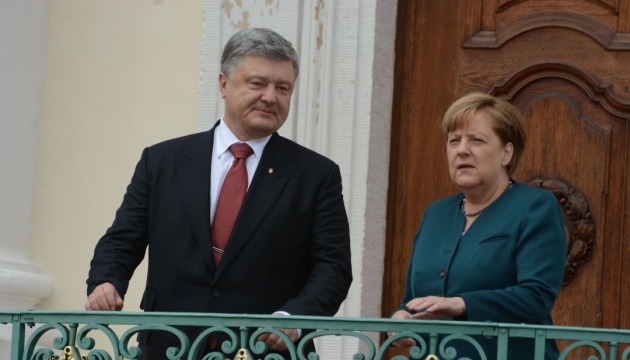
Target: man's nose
(269, 94)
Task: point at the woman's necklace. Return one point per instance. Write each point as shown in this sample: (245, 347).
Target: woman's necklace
(466, 213)
(473, 214)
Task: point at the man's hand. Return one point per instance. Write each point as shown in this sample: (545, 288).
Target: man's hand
(104, 297)
(274, 342)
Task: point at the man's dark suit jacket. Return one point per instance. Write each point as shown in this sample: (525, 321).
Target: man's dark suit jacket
(289, 250)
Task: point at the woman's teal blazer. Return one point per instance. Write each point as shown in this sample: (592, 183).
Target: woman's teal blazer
(508, 266)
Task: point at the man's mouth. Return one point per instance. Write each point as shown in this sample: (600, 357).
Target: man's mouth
(266, 111)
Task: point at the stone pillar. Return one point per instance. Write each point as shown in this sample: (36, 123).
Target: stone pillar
(22, 62)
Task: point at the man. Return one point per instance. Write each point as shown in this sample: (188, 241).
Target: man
(288, 251)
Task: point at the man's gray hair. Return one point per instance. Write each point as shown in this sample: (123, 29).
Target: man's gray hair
(259, 42)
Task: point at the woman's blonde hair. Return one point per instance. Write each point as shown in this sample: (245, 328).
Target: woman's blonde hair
(507, 121)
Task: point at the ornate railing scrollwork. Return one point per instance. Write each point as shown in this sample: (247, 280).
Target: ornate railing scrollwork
(85, 342)
(584, 343)
(321, 333)
(58, 343)
(450, 352)
(434, 340)
(415, 352)
(259, 348)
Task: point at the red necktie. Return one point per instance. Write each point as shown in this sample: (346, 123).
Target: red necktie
(230, 199)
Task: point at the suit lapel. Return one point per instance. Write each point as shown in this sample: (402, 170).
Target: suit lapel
(272, 174)
(193, 167)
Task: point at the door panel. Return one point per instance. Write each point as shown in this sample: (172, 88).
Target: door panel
(564, 64)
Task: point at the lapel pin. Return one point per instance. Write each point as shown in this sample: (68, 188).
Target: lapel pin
(271, 170)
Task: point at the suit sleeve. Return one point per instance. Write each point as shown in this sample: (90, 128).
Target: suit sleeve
(331, 272)
(540, 259)
(122, 248)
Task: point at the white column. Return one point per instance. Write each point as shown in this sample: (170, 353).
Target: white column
(341, 109)
(22, 62)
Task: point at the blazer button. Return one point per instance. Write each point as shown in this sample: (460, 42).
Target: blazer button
(216, 292)
(442, 273)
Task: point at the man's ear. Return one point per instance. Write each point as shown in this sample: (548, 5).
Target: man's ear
(223, 80)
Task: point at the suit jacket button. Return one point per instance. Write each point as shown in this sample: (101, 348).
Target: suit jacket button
(216, 292)
(442, 273)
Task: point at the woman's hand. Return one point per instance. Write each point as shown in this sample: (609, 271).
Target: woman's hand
(429, 307)
(404, 342)
(436, 307)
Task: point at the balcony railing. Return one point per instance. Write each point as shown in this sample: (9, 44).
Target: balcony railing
(74, 335)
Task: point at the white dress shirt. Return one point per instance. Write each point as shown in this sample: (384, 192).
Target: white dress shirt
(222, 159)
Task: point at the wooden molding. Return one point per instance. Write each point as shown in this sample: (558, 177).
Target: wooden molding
(610, 5)
(596, 90)
(606, 36)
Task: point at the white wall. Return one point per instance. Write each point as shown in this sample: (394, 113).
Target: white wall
(121, 75)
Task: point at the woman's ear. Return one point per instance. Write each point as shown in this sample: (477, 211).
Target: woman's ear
(508, 151)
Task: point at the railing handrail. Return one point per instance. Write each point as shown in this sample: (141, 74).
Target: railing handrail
(313, 322)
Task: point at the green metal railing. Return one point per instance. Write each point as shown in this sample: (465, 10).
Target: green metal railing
(74, 335)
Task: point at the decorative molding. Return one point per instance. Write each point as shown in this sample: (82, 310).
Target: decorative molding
(503, 5)
(596, 90)
(209, 99)
(312, 105)
(613, 7)
(578, 224)
(607, 37)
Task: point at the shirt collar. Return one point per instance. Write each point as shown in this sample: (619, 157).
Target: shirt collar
(224, 138)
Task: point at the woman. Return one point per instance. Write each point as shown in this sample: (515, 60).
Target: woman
(495, 251)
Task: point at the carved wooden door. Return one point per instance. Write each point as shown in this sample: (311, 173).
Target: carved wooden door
(566, 65)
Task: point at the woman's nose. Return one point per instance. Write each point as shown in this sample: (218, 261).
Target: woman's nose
(463, 147)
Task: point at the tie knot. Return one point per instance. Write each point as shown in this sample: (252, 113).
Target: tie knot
(241, 150)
